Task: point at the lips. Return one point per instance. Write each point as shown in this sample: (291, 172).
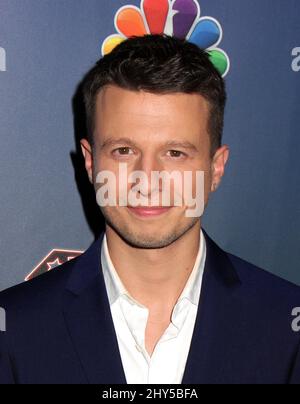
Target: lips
(149, 211)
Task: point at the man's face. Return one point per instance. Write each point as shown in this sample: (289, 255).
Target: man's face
(151, 132)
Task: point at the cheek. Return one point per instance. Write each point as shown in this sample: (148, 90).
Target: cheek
(102, 163)
(207, 181)
(202, 186)
(205, 168)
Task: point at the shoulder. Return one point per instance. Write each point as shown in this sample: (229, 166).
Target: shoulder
(265, 287)
(46, 292)
(39, 291)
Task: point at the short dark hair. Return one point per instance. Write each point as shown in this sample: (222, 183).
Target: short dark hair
(159, 64)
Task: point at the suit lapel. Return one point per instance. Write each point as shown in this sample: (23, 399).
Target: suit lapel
(219, 310)
(90, 324)
(89, 321)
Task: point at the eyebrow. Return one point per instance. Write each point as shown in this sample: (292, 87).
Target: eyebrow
(111, 142)
(124, 140)
(185, 145)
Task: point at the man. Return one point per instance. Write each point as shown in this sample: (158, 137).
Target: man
(154, 299)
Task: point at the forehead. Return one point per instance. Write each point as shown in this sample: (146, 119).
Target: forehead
(138, 112)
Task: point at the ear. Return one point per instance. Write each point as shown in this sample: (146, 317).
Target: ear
(218, 166)
(88, 158)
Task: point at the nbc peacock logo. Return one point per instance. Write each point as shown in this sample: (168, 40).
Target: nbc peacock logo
(179, 18)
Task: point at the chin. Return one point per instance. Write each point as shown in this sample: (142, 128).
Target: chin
(148, 243)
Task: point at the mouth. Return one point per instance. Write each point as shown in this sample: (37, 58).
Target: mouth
(153, 211)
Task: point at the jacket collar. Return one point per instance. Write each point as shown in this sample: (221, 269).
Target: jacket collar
(88, 265)
(90, 324)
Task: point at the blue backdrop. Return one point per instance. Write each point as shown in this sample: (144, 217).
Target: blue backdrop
(45, 49)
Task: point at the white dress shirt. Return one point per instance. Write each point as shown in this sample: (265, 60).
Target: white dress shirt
(167, 363)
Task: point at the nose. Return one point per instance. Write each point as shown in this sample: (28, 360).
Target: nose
(148, 163)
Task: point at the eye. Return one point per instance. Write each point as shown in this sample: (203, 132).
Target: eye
(176, 153)
(123, 151)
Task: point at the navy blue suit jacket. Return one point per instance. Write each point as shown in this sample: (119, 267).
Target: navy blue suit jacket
(60, 329)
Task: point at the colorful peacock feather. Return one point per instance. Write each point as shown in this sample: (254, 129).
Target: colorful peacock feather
(179, 18)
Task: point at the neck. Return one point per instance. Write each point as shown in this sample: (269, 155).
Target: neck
(155, 277)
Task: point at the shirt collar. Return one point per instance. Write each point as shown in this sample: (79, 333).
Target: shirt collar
(114, 285)
(115, 288)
